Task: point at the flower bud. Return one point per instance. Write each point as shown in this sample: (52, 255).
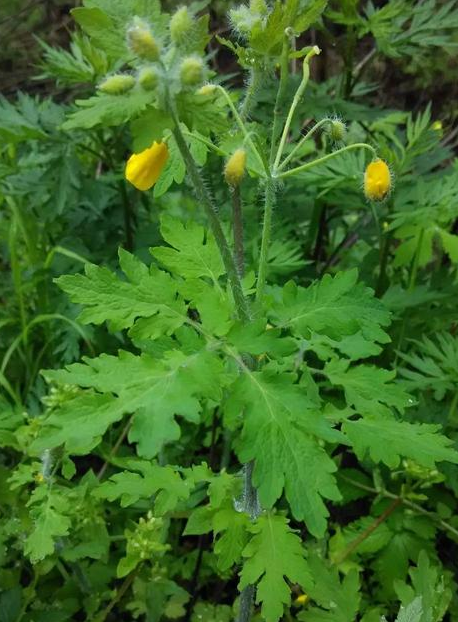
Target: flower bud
(191, 71)
(377, 180)
(207, 90)
(141, 41)
(180, 25)
(235, 168)
(144, 169)
(336, 130)
(117, 83)
(148, 78)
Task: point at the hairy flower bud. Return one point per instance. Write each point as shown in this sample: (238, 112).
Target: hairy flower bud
(141, 41)
(144, 169)
(148, 78)
(337, 131)
(117, 83)
(180, 25)
(192, 71)
(235, 168)
(377, 180)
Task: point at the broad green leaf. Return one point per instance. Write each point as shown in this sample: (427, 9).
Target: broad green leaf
(412, 613)
(153, 390)
(107, 110)
(149, 127)
(368, 388)
(338, 600)
(192, 253)
(231, 533)
(150, 294)
(386, 440)
(280, 433)
(50, 522)
(142, 481)
(334, 306)
(274, 553)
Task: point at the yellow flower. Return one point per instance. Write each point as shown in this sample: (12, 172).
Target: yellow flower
(143, 169)
(302, 600)
(377, 180)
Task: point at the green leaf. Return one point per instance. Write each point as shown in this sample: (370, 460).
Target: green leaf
(101, 29)
(150, 127)
(107, 110)
(368, 388)
(232, 529)
(153, 390)
(49, 523)
(338, 600)
(279, 433)
(412, 613)
(386, 440)
(334, 306)
(273, 553)
(142, 481)
(194, 252)
(148, 294)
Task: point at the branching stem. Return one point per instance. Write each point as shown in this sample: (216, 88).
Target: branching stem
(329, 156)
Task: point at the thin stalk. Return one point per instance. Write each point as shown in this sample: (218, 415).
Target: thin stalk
(127, 209)
(282, 87)
(237, 226)
(299, 144)
(410, 504)
(252, 87)
(367, 532)
(296, 99)
(452, 409)
(265, 242)
(329, 156)
(210, 209)
(118, 596)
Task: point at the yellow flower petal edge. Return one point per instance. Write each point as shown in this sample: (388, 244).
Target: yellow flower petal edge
(144, 169)
(377, 180)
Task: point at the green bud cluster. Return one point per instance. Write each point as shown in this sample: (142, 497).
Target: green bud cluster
(192, 71)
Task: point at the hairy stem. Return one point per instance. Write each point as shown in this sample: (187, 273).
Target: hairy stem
(237, 225)
(329, 156)
(210, 209)
(299, 144)
(296, 99)
(252, 87)
(282, 87)
(265, 242)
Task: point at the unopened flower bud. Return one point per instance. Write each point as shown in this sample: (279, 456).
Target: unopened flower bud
(336, 130)
(207, 90)
(235, 168)
(192, 71)
(377, 180)
(117, 83)
(148, 78)
(141, 41)
(180, 25)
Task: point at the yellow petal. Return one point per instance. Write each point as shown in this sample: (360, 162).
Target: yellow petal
(377, 180)
(143, 169)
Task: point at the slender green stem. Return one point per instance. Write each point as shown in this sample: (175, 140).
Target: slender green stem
(299, 144)
(242, 127)
(237, 227)
(265, 242)
(253, 84)
(204, 197)
(296, 99)
(329, 156)
(282, 87)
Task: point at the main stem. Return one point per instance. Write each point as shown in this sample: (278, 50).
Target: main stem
(265, 243)
(210, 209)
